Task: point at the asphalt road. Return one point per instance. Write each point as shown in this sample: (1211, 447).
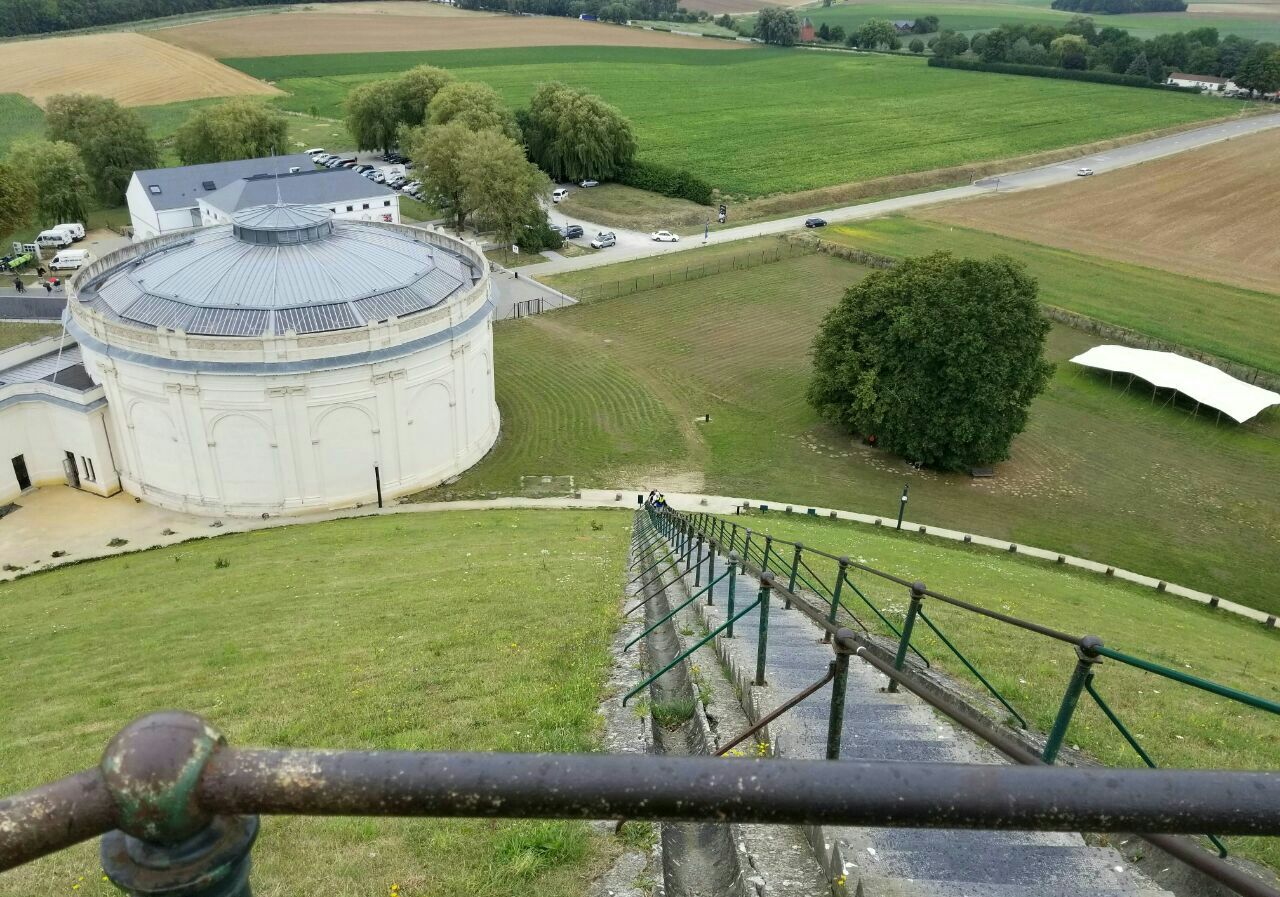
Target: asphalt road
(634, 245)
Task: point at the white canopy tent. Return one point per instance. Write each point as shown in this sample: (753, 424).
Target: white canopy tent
(1202, 382)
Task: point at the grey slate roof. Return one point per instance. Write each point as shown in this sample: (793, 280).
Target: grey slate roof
(44, 367)
(280, 268)
(311, 186)
(181, 187)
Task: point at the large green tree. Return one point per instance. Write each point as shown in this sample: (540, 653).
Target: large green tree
(415, 90)
(441, 154)
(1260, 70)
(502, 187)
(777, 26)
(56, 175)
(113, 141)
(237, 129)
(17, 198)
(938, 357)
(373, 114)
(573, 135)
(473, 104)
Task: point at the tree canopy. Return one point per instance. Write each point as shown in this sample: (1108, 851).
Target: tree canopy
(938, 358)
(502, 187)
(1260, 70)
(57, 177)
(473, 104)
(113, 141)
(777, 26)
(17, 198)
(373, 114)
(237, 129)
(441, 153)
(415, 90)
(574, 135)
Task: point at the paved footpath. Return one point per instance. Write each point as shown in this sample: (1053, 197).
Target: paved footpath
(58, 518)
(1031, 178)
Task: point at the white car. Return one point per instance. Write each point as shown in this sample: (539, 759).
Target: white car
(559, 194)
(589, 183)
(316, 151)
(664, 236)
(1084, 172)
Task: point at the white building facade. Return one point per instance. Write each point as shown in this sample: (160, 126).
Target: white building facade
(289, 362)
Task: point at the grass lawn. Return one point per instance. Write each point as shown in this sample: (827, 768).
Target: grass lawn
(764, 121)
(619, 206)
(457, 631)
(12, 334)
(609, 392)
(19, 117)
(985, 15)
(1178, 725)
(1233, 323)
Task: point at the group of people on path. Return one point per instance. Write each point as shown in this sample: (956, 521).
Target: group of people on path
(50, 284)
(656, 500)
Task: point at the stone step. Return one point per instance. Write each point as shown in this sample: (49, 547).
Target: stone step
(1011, 863)
(936, 839)
(878, 886)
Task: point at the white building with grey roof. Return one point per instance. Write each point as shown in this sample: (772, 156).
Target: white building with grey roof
(285, 362)
(347, 195)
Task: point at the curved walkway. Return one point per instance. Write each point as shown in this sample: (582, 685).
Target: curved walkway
(58, 518)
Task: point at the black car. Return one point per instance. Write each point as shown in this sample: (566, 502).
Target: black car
(815, 222)
(572, 231)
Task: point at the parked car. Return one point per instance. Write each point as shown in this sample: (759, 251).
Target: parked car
(322, 158)
(333, 163)
(412, 186)
(361, 169)
(604, 239)
(348, 163)
(1084, 172)
(571, 231)
(377, 177)
(396, 181)
(664, 236)
(69, 259)
(589, 184)
(316, 151)
(815, 222)
(558, 194)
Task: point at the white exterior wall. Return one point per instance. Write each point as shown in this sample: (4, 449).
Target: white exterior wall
(349, 210)
(42, 432)
(148, 222)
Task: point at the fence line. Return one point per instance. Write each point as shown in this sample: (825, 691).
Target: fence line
(658, 279)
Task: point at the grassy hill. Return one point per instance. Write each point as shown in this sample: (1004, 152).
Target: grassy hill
(462, 631)
(1098, 472)
(766, 121)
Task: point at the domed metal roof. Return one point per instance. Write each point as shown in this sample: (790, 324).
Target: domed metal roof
(280, 268)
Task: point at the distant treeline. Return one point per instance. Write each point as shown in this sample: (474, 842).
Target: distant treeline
(1118, 7)
(19, 17)
(620, 11)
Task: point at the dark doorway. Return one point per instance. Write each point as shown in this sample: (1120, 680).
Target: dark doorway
(20, 471)
(70, 469)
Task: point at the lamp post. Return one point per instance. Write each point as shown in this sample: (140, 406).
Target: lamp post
(902, 503)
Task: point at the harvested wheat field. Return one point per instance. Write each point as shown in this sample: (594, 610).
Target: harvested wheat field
(307, 33)
(1211, 213)
(134, 69)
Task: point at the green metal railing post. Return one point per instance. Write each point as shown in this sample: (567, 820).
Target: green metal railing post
(711, 570)
(1086, 658)
(733, 588)
(697, 564)
(746, 550)
(835, 595)
(917, 596)
(768, 549)
(791, 580)
(762, 644)
(839, 685)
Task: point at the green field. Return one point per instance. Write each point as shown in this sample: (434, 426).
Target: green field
(764, 121)
(19, 117)
(1176, 724)
(1232, 323)
(984, 16)
(609, 392)
(409, 632)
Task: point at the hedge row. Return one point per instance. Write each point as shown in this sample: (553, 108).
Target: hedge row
(1043, 71)
(666, 181)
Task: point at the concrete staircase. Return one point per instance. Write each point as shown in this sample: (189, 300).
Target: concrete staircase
(896, 862)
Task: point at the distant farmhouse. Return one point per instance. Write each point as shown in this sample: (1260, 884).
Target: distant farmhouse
(1204, 82)
(164, 200)
(807, 33)
(903, 26)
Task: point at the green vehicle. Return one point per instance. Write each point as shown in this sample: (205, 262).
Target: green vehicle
(13, 263)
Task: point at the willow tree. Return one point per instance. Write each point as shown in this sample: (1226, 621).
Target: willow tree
(573, 135)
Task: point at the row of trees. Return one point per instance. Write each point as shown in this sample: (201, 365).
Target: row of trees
(1083, 46)
(41, 16)
(1118, 7)
(607, 10)
(92, 146)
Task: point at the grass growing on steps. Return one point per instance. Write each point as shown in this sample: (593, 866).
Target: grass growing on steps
(1178, 725)
(450, 631)
(12, 334)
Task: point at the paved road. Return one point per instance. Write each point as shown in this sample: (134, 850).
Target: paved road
(29, 306)
(1032, 178)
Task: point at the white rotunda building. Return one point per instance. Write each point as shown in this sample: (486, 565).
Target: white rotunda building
(288, 362)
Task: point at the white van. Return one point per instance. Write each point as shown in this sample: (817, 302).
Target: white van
(75, 230)
(559, 194)
(55, 238)
(69, 259)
